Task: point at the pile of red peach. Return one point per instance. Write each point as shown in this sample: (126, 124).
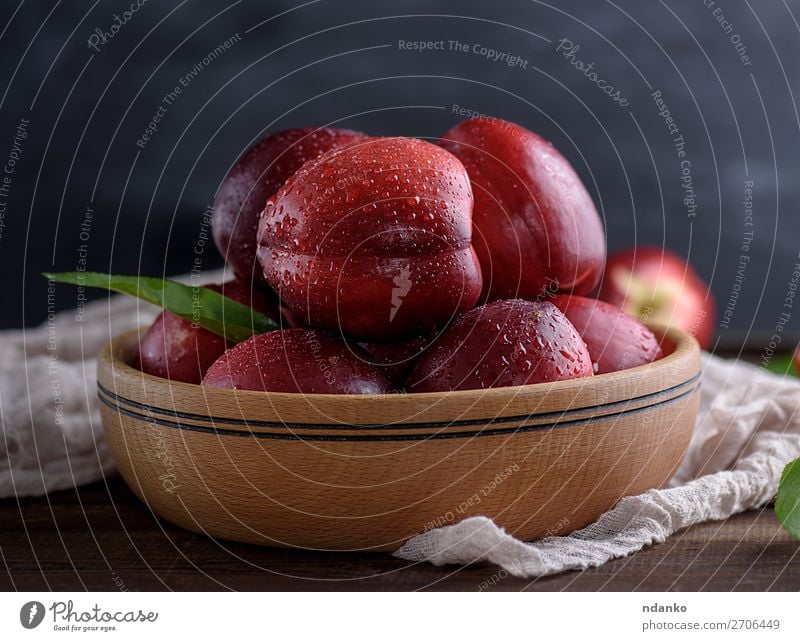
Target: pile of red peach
(397, 264)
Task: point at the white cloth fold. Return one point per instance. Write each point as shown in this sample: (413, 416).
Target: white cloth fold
(49, 417)
(748, 429)
(51, 433)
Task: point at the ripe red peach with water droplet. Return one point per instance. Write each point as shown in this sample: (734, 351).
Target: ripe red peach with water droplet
(257, 175)
(615, 340)
(503, 343)
(359, 242)
(536, 227)
(296, 360)
(177, 349)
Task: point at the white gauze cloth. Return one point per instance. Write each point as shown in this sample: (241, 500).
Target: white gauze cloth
(747, 431)
(49, 413)
(51, 437)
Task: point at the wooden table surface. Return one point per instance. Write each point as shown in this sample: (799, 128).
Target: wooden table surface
(102, 538)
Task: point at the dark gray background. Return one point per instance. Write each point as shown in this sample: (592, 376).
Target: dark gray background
(337, 61)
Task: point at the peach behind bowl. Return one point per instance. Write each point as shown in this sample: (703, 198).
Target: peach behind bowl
(335, 472)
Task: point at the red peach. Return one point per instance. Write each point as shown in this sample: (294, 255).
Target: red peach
(373, 240)
(654, 284)
(504, 343)
(257, 175)
(536, 227)
(177, 349)
(296, 360)
(615, 340)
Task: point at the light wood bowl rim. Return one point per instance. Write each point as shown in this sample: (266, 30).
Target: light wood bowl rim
(684, 344)
(678, 368)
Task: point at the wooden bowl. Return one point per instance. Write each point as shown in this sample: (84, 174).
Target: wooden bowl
(368, 472)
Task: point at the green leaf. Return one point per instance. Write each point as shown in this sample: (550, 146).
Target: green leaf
(783, 365)
(787, 504)
(202, 306)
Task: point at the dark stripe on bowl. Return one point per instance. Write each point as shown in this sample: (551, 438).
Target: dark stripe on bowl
(654, 396)
(384, 437)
